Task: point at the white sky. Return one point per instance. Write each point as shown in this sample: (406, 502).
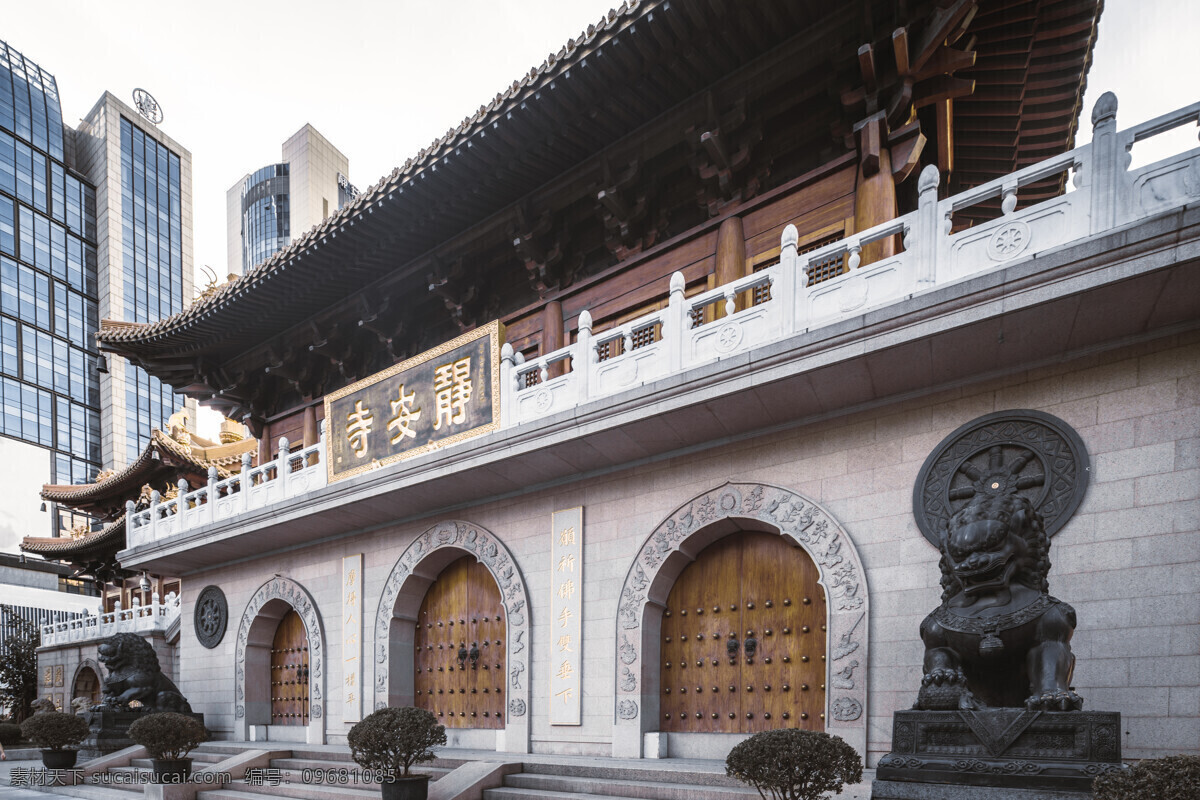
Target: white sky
(381, 79)
(23, 470)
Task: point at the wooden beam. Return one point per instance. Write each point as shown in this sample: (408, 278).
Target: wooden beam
(900, 50)
(866, 65)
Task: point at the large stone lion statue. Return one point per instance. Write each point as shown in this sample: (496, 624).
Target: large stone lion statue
(134, 674)
(998, 639)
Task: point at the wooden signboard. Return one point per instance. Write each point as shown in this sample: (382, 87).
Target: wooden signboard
(439, 397)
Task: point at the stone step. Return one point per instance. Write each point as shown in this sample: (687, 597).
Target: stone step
(90, 791)
(513, 793)
(239, 790)
(647, 790)
(296, 766)
(693, 773)
(233, 748)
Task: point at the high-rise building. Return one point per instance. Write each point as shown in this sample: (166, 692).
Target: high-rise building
(271, 205)
(49, 386)
(94, 222)
(143, 181)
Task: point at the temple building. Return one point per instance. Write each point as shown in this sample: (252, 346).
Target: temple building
(142, 602)
(622, 420)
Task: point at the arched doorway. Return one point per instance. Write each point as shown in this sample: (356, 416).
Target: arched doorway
(281, 616)
(289, 672)
(401, 603)
(459, 652)
(743, 640)
(734, 511)
(87, 684)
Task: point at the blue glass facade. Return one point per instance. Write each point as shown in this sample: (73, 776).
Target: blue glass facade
(152, 268)
(266, 218)
(49, 387)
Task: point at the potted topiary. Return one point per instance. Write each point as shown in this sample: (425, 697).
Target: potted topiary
(168, 737)
(54, 732)
(390, 741)
(1170, 778)
(793, 764)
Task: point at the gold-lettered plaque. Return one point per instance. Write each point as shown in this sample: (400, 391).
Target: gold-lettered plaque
(58, 674)
(439, 397)
(566, 616)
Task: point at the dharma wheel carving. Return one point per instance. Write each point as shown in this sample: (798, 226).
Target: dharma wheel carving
(1028, 453)
(211, 616)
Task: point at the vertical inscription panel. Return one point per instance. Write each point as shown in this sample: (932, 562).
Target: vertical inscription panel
(439, 397)
(566, 616)
(352, 637)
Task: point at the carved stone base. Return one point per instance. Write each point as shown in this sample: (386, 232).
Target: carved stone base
(108, 731)
(1008, 748)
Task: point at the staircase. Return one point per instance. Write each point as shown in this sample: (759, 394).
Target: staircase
(310, 773)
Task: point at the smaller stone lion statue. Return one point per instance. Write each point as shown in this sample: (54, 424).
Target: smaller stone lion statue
(42, 705)
(998, 639)
(134, 675)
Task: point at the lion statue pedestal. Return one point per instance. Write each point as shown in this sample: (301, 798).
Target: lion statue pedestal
(996, 716)
(135, 686)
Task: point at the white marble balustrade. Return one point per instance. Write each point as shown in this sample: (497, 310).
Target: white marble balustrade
(289, 475)
(157, 616)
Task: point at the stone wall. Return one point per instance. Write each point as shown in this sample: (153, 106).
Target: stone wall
(1127, 561)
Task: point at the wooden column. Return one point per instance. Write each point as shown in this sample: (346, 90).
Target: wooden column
(875, 194)
(310, 430)
(731, 256)
(552, 334)
(264, 445)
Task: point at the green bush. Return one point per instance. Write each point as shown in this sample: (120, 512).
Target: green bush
(1170, 778)
(54, 730)
(391, 740)
(793, 764)
(10, 734)
(168, 735)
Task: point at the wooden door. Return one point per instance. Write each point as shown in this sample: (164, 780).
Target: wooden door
(289, 672)
(743, 640)
(460, 648)
(87, 684)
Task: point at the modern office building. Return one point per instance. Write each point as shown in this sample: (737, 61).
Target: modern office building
(143, 181)
(94, 222)
(267, 208)
(49, 297)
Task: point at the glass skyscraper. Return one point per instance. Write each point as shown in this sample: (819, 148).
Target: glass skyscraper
(49, 386)
(95, 223)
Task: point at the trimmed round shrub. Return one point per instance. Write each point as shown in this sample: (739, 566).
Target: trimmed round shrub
(792, 764)
(1170, 778)
(392, 740)
(166, 734)
(10, 734)
(54, 730)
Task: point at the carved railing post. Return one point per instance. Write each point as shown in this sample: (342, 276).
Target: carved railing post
(211, 508)
(784, 292)
(283, 467)
(508, 385)
(244, 483)
(1108, 164)
(675, 328)
(581, 361)
(927, 239)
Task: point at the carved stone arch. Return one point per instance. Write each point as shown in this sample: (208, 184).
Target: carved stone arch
(400, 603)
(87, 663)
(677, 541)
(252, 701)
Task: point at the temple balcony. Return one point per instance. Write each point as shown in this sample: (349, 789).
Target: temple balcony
(158, 616)
(1111, 261)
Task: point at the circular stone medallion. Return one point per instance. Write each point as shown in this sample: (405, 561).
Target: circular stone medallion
(211, 616)
(1020, 452)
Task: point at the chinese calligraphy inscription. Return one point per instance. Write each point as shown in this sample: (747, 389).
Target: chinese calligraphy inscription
(429, 401)
(566, 616)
